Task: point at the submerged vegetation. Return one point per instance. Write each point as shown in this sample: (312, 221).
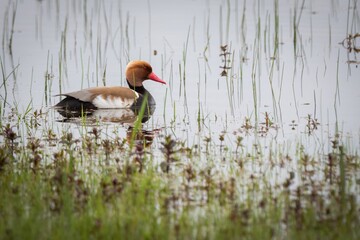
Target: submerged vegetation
(250, 140)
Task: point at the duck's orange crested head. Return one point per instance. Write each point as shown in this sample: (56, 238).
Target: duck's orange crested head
(138, 71)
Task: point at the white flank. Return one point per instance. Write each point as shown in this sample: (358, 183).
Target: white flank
(112, 102)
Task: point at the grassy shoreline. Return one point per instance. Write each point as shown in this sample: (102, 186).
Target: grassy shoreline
(96, 187)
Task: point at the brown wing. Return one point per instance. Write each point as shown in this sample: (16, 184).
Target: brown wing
(89, 94)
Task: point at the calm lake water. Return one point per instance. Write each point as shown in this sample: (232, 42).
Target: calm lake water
(283, 60)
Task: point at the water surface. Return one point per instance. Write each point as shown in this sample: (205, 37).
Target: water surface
(284, 63)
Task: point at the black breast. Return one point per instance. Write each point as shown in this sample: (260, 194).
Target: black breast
(143, 94)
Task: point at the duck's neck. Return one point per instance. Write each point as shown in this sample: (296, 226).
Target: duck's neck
(142, 91)
(138, 89)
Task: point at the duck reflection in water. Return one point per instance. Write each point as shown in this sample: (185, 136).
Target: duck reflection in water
(124, 116)
(93, 116)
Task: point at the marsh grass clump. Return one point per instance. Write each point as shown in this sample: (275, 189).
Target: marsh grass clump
(68, 140)
(239, 143)
(351, 41)
(67, 188)
(225, 55)
(60, 159)
(311, 124)
(34, 145)
(4, 158)
(96, 133)
(89, 145)
(35, 119)
(120, 143)
(111, 188)
(169, 149)
(247, 125)
(108, 148)
(263, 128)
(9, 136)
(139, 155)
(207, 141)
(51, 137)
(221, 139)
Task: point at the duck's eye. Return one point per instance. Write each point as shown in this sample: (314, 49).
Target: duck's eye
(147, 68)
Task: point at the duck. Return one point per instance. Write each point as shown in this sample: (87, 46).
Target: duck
(115, 97)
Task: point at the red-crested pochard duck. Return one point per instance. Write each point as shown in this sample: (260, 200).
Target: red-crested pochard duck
(114, 97)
